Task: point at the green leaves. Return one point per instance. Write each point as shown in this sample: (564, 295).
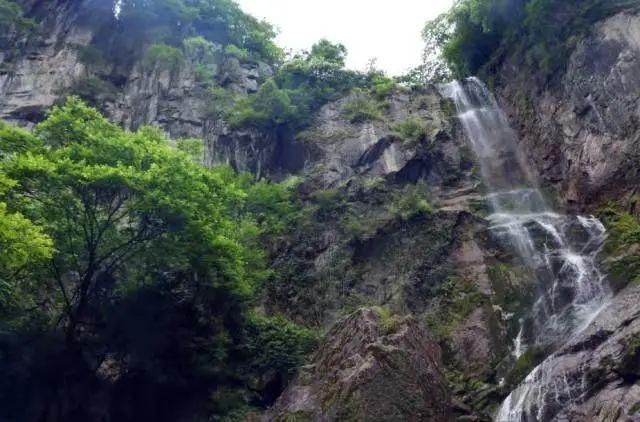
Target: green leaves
(277, 344)
(117, 241)
(108, 197)
(267, 109)
(362, 108)
(476, 33)
(164, 56)
(217, 21)
(15, 140)
(22, 243)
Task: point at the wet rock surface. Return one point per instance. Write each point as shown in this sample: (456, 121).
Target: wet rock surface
(593, 377)
(373, 368)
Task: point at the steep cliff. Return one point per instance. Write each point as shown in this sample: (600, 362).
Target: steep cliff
(391, 253)
(579, 130)
(579, 127)
(391, 208)
(75, 49)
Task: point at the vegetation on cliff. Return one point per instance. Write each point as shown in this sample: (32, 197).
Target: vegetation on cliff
(475, 35)
(622, 247)
(218, 21)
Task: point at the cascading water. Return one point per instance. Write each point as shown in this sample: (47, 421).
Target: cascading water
(558, 250)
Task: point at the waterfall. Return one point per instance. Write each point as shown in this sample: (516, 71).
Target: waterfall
(559, 251)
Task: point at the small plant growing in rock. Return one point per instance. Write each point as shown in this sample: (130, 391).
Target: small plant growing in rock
(382, 86)
(412, 200)
(410, 130)
(361, 108)
(389, 322)
(164, 56)
(622, 247)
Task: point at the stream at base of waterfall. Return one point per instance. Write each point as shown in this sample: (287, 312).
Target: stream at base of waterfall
(559, 251)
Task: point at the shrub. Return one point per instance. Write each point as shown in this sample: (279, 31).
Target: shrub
(409, 130)
(163, 56)
(200, 49)
(267, 109)
(389, 322)
(94, 90)
(458, 299)
(237, 52)
(410, 201)
(277, 344)
(382, 87)
(218, 102)
(328, 200)
(361, 108)
(204, 55)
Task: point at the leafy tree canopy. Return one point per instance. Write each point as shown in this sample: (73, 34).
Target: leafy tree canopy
(219, 21)
(117, 247)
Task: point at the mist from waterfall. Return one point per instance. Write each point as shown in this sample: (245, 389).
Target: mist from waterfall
(559, 251)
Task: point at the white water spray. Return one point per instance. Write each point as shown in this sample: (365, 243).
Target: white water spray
(559, 251)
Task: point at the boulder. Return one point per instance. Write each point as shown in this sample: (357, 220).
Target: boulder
(372, 367)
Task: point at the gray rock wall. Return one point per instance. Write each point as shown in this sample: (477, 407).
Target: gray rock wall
(43, 67)
(581, 130)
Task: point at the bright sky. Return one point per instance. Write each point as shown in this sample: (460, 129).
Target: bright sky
(386, 30)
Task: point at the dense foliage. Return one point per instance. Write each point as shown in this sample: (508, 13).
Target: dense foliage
(219, 21)
(128, 271)
(476, 34)
(301, 86)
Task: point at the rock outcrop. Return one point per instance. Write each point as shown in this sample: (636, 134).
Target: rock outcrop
(370, 367)
(581, 129)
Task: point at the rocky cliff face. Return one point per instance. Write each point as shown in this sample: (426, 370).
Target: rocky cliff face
(390, 220)
(46, 65)
(580, 131)
(581, 128)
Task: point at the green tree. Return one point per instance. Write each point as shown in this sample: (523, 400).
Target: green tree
(119, 249)
(106, 197)
(325, 50)
(267, 109)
